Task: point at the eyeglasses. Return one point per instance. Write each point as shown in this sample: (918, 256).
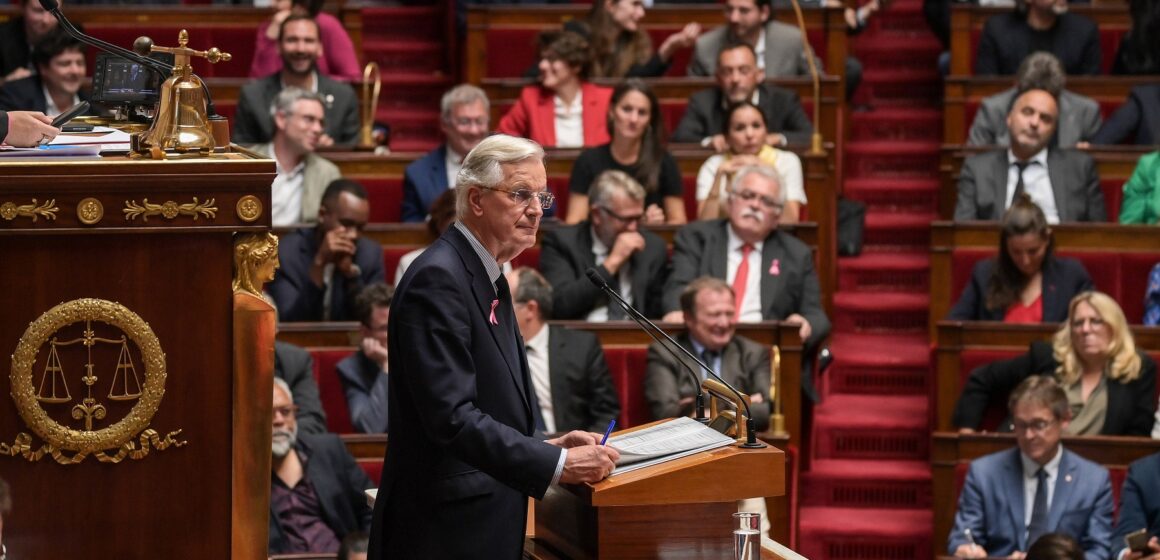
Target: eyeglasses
(286, 411)
(524, 197)
(766, 201)
(1036, 427)
(624, 219)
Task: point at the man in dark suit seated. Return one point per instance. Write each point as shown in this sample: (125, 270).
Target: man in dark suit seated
(295, 366)
(465, 120)
(567, 367)
(1013, 497)
(316, 488)
(57, 85)
(1038, 25)
(364, 373)
(633, 261)
(739, 79)
(17, 37)
(1064, 183)
(300, 47)
(326, 266)
(1139, 509)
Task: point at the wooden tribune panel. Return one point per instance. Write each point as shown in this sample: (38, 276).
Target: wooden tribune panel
(163, 273)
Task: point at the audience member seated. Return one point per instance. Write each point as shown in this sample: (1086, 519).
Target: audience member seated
(1110, 386)
(1036, 25)
(1138, 118)
(1025, 282)
(316, 491)
(325, 267)
(295, 366)
(569, 374)
(1023, 485)
(17, 37)
(464, 119)
(302, 174)
(364, 373)
(739, 79)
(1140, 57)
(1055, 546)
(1079, 116)
(300, 48)
(1063, 183)
(1139, 508)
(441, 216)
(565, 110)
(60, 63)
(338, 60)
(1152, 311)
(778, 45)
(1141, 203)
(621, 47)
(746, 133)
(25, 129)
(633, 261)
(354, 546)
(637, 148)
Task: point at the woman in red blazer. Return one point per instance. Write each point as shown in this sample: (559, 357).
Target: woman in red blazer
(542, 112)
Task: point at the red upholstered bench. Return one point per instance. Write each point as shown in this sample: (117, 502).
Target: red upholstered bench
(627, 364)
(238, 40)
(373, 468)
(392, 254)
(385, 195)
(330, 388)
(529, 258)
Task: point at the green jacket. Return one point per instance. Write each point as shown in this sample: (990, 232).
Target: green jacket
(1141, 203)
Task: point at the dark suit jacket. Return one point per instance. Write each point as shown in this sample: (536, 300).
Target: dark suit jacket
(1139, 116)
(462, 453)
(565, 255)
(339, 483)
(1130, 405)
(299, 299)
(701, 249)
(1006, 41)
(1063, 278)
(295, 366)
(705, 115)
(253, 123)
(365, 387)
(744, 365)
(583, 397)
(423, 181)
(991, 505)
(27, 94)
(1139, 501)
(14, 51)
(983, 187)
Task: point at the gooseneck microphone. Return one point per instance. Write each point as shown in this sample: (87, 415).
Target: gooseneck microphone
(641, 320)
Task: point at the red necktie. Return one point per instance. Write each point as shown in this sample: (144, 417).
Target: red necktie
(741, 279)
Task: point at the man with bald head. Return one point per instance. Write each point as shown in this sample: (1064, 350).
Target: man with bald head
(1063, 183)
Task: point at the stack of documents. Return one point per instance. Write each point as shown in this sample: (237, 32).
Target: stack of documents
(670, 440)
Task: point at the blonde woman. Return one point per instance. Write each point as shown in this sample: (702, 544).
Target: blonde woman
(1110, 385)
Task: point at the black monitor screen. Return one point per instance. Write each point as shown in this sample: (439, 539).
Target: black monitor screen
(117, 80)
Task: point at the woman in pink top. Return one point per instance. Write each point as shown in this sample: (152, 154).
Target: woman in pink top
(338, 61)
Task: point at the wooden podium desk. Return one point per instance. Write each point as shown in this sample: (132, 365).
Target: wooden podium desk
(119, 320)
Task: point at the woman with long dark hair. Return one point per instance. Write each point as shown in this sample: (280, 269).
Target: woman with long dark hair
(621, 47)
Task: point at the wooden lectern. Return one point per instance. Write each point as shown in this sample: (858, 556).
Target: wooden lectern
(679, 509)
(126, 430)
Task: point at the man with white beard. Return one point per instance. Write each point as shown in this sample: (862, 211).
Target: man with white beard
(316, 487)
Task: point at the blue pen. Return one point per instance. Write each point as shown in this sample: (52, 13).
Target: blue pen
(611, 425)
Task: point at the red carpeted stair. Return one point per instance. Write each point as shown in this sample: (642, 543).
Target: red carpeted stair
(867, 494)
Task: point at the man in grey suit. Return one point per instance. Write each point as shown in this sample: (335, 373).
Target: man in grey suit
(778, 45)
(1079, 116)
(1063, 183)
(567, 367)
(300, 47)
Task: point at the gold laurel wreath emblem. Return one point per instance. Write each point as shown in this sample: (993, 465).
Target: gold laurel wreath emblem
(117, 437)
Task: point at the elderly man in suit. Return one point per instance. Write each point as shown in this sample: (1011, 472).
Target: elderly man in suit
(295, 366)
(1063, 183)
(300, 47)
(465, 453)
(632, 261)
(1140, 509)
(1079, 116)
(740, 79)
(567, 367)
(57, 85)
(1013, 497)
(464, 120)
(778, 45)
(364, 373)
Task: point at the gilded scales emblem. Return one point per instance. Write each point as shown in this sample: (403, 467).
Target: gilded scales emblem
(42, 393)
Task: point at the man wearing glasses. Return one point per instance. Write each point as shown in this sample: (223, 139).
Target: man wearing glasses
(632, 261)
(465, 451)
(1013, 497)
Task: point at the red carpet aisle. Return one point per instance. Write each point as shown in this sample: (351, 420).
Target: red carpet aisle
(411, 46)
(867, 495)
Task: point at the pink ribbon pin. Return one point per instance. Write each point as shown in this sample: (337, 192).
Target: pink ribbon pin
(494, 303)
(775, 267)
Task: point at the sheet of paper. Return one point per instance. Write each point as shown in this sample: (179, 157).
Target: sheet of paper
(676, 438)
(99, 135)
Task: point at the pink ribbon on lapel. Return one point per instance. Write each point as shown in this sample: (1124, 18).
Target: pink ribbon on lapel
(494, 303)
(775, 267)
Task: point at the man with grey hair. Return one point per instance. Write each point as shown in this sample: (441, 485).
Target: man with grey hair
(466, 447)
(465, 121)
(302, 174)
(633, 261)
(1079, 116)
(316, 487)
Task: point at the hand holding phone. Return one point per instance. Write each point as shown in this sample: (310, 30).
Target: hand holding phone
(70, 114)
(1137, 541)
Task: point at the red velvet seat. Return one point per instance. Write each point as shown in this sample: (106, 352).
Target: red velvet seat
(385, 195)
(238, 40)
(373, 468)
(1134, 269)
(392, 254)
(330, 388)
(627, 367)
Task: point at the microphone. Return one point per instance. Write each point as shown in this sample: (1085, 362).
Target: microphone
(641, 320)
